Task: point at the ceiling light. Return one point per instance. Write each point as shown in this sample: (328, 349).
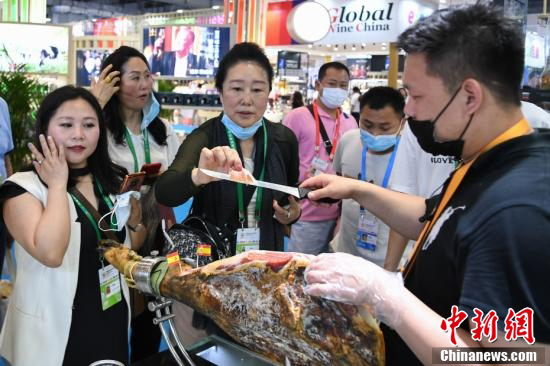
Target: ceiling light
(363, 44)
(335, 48)
(47, 19)
(310, 45)
(383, 48)
(179, 11)
(328, 44)
(353, 48)
(215, 7)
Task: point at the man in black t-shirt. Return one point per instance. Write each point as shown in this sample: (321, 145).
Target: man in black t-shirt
(484, 243)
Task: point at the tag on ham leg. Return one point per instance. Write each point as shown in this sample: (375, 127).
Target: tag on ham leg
(257, 298)
(243, 176)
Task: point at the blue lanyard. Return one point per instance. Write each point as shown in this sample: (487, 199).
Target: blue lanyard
(388, 168)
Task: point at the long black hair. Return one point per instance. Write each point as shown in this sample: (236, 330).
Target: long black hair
(104, 170)
(115, 124)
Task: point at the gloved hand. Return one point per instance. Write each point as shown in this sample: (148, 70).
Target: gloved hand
(346, 278)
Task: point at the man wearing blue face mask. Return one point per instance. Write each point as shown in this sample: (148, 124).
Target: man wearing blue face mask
(369, 154)
(318, 128)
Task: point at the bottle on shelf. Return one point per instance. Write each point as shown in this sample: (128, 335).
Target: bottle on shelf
(545, 76)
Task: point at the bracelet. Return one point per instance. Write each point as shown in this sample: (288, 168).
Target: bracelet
(136, 228)
(296, 219)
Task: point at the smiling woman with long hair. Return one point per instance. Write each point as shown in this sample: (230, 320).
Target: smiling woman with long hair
(58, 313)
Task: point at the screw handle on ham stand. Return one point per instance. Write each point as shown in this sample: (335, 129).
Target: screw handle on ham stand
(161, 307)
(141, 279)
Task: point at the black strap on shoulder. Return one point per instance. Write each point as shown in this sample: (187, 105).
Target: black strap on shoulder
(326, 141)
(91, 209)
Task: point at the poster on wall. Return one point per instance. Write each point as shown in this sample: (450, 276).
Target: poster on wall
(185, 51)
(88, 65)
(534, 50)
(104, 27)
(358, 67)
(34, 48)
(351, 21)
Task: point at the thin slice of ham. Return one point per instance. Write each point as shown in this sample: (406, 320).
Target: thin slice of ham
(242, 176)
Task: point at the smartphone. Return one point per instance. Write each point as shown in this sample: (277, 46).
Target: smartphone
(132, 182)
(151, 169)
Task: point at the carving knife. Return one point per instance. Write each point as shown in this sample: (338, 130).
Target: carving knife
(297, 192)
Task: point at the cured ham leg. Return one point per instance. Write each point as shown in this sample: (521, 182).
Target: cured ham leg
(258, 299)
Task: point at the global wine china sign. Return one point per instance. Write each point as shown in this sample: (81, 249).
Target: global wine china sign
(360, 21)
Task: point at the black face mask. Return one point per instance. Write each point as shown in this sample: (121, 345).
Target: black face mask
(424, 133)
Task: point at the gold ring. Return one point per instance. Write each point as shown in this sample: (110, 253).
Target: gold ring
(108, 79)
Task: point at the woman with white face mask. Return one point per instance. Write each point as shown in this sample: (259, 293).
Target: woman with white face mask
(69, 306)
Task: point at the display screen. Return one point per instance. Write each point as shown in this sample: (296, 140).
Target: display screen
(382, 63)
(358, 67)
(288, 60)
(185, 51)
(34, 48)
(88, 65)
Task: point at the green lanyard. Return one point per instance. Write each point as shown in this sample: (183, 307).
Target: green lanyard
(128, 139)
(89, 215)
(240, 192)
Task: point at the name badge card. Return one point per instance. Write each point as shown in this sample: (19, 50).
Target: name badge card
(367, 231)
(248, 239)
(109, 286)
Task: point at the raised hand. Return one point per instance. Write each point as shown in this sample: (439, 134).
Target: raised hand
(331, 186)
(106, 85)
(51, 164)
(220, 158)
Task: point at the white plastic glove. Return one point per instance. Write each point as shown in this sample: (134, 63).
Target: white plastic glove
(346, 278)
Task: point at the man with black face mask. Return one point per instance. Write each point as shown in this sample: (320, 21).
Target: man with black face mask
(483, 241)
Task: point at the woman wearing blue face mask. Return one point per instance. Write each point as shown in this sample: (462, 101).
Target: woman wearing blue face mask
(240, 137)
(369, 154)
(137, 136)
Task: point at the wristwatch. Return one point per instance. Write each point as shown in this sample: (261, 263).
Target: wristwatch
(136, 228)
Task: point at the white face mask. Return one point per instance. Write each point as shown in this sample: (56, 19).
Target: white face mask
(333, 97)
(121, 210)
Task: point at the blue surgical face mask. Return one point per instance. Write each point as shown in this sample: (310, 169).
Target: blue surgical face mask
(377, 143)
(150, 112)
(333, 97)
(242, 133)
